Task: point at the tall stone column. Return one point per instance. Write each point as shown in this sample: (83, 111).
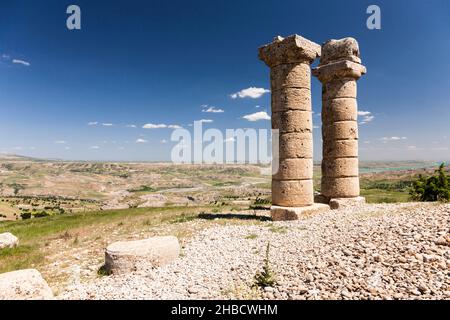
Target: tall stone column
(290, 62)
(339, 69)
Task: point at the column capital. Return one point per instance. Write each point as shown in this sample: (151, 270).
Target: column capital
(339, 70)
(340, 59)
(293, 49)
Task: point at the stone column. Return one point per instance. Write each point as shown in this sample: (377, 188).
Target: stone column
(339, 69)
(290, 62)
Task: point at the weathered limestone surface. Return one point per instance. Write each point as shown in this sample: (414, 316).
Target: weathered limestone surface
(342, 203)
(292, 193)
(289, 60)
(291, 99)
(8, 240)
(339, 69)
(285, 213)
(295, 145)
(126, 256)
(24, 285)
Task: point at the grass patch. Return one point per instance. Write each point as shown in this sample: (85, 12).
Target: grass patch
(184, 218)
(277, 229)
(252, 236)
(385, 196)
(22, 257)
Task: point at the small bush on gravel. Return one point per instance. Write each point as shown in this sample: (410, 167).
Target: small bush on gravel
(103, 272)
(266, 278)
(434, 188)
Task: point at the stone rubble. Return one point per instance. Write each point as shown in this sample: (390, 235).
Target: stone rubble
(383, 251)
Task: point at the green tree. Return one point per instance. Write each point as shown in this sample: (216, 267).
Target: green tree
(434, 188)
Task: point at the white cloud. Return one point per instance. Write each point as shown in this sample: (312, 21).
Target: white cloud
(141, 140)
(367, 116)
(92, 123)
(367, 119)
(257, 116)
(95, 147)
(154, 126)
(107, 124)
(412, 147)
(60, 142)
(316, 127)
(163, 141)
(257, 107)
(130, 126)
(22, 62)
(209, 109)
(67, 148)
(395, 138)
(160, 126)
(252, 92)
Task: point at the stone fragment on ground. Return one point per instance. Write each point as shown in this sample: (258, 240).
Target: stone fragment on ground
(127, 256)
(24, 285)
(8, 240)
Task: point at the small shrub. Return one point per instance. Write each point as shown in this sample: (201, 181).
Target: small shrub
(262, 201)
(25, 215)
(266, 278)
(42, 214)
(103, 271)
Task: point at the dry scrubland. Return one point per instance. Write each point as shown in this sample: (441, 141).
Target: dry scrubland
(218, 213)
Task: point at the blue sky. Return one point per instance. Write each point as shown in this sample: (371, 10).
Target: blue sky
(158, 62)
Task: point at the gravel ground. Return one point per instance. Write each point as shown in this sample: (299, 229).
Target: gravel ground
(388, 251)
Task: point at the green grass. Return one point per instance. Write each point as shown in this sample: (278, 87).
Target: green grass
(36, 228)
(22, 257)
(385, 196)
(34, 234)
(277, 229)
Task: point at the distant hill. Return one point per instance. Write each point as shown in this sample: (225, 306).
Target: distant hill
(15, 157)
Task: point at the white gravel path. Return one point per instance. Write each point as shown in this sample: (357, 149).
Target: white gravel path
(385, 251)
